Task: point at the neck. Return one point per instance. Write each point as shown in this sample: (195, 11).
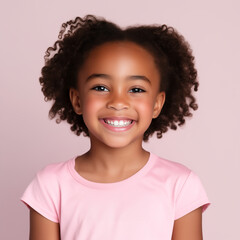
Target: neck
(114, 160)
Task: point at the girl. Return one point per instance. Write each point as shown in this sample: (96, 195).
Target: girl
(111, 85)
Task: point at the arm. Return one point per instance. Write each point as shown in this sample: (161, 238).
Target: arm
(42, 228)
(189, 227)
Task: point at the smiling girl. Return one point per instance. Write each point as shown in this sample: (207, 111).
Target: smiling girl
(117, 87)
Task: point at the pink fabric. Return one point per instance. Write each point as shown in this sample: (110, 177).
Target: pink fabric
(143, 206)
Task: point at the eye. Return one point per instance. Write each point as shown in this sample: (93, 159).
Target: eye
(100, 89)
(137, 90)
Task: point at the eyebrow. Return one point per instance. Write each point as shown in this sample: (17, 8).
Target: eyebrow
(108, 77)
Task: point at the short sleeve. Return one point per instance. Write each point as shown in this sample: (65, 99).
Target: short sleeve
(191, 196)
(42, 195)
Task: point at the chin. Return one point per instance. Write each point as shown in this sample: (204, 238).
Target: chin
(120, 142)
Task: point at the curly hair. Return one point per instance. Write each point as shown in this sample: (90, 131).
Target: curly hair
(172, 54)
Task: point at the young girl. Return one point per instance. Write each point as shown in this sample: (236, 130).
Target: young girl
(118, 87)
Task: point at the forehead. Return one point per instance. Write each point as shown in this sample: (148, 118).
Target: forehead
(120, 61)
(120, 48)
(123, 55)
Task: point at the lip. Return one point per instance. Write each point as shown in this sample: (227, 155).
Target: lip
(117, 129)
(118, 118)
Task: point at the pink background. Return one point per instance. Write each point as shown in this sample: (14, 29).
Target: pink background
(208, 143)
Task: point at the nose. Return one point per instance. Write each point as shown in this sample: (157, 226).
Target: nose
(118, 102)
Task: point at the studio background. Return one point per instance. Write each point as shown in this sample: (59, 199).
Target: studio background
(208, 143)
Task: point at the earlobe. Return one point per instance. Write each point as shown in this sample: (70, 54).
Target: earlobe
(158, 104)
(75, 100)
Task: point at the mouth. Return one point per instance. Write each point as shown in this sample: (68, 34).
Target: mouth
(118, 123)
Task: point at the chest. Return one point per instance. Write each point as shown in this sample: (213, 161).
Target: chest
(133, 212)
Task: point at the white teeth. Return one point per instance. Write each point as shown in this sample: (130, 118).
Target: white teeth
(116, 123)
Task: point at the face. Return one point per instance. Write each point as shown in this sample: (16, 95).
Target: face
(118, 93)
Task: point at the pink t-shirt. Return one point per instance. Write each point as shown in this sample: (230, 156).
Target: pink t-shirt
(143, 206)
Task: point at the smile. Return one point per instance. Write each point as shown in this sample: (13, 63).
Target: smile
(118, 123)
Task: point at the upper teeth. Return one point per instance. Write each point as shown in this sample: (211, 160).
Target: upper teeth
(116, 123)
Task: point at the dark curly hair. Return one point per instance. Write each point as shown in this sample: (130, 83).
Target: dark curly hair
(172, 54)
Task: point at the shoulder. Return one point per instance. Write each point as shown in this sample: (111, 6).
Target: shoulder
(52, 176)
(54, 170)
(170, 168)
(179, 178)
(44, 191)
(183, 184)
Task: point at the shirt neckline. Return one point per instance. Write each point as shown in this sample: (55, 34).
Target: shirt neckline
(99, 185)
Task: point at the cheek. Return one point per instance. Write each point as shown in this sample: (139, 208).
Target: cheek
(145, 108)
(91, 105)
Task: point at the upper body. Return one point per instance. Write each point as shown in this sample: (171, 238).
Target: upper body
(143, 206)
(118, 87)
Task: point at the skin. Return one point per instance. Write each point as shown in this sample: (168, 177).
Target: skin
(110, 152)
(42, 228)
(115, 94)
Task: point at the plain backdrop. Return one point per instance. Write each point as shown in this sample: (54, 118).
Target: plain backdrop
(208, 143)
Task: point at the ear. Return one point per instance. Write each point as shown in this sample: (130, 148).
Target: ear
(160, 99)
(75, 100)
